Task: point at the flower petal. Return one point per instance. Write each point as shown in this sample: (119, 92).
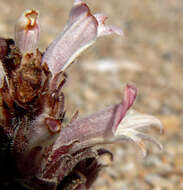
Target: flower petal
(111, 125)
(27, 31)
(136, 120)
(131, 123)
(100, 125)
(106, 30)
(80, 32)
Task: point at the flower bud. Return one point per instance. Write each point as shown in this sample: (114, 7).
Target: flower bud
(27, 31)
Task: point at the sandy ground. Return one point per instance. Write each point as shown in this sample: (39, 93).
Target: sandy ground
(150, 55)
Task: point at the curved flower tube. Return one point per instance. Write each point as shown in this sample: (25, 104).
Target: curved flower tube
(80, 32)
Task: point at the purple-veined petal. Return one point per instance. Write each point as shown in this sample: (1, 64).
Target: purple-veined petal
(129, 97)
(27, 31)
(111, 125)
(100, 125)
(106, 29)
(80, 32)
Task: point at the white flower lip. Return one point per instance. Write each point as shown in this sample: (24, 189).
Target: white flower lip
(132, 125)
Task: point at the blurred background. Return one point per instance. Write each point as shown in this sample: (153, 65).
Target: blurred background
(149, 55)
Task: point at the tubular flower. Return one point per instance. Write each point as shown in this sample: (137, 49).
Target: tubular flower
(37, 149)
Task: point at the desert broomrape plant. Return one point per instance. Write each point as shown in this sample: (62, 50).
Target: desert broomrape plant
(37, 149)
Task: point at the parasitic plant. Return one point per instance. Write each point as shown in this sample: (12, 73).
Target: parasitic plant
(37, 149)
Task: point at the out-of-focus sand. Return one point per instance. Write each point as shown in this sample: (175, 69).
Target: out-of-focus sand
(150, 55)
